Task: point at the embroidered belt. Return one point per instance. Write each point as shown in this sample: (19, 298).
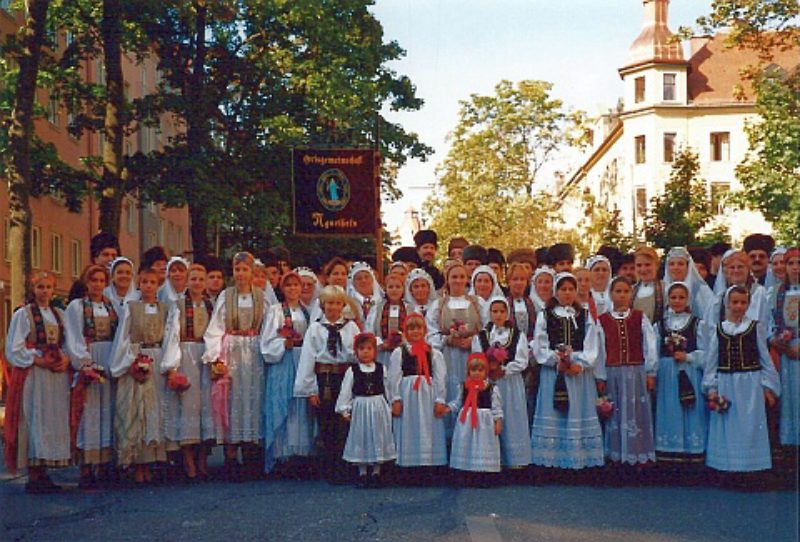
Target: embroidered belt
(149, 345)
(243, 333)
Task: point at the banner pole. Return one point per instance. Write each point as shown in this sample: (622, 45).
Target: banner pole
(379, 219)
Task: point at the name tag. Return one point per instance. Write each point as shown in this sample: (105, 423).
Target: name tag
(245, 301)
(151, 308)
(98, 309)
(394, 311)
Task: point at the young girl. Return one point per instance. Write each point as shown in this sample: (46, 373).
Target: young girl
(484, 286)
(175, 285)
(739, 377)
(417, 379)
(452, 321)
(681, 416)
(187, 414)
(679, 267)
(420, 291)
(600, 269)
(476, 442)
(90, 325)
(627, 368)
(507, 351)
(363, 403)
(37, 416)
(542, 289)
(136, 363)
(122, 288)
(566, 432)
(785, 338)
(386, 320)
(364, 289)
(288, 421)
(523, 315)
(327, 350)
(232, 349)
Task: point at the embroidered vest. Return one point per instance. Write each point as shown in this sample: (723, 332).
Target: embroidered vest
(623, 339)
(53, 333)
(561, 331)
(652, 306)
(510, 345)
(147, 328)
(200, 319)
(243, 319)
(688, 332)
(484, 397)
(471, 316)
(367, 384)
(529, 325)
(738, 353)
(409, 362)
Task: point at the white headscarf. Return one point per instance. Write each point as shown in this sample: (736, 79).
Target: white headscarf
(357, 267)
(721, 283)
(110, 291)
(167, 292)
(306, 272)
(418, 274)
(496, 290)
(771, 280)
(538, 302)
(568, 311)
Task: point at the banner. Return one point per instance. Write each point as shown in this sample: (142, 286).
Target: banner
(334, 191)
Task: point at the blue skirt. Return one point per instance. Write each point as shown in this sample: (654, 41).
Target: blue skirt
(679, 429)
(629, 431)
(790, 402)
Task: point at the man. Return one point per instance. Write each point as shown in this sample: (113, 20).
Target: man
(560, 257)
(103, 249)
(473, 256)
(156, 258)
(648, 293)
(524, 256)
(455, 248)
(284, 260)
(408, 257)
(215, 277)
(427, 242)
(627, 267)
(541, 257)
(758, 248)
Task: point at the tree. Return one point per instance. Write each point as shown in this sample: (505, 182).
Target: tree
(602, 226)
(20, 133)
(770, 172)
(488, 188)
(677, 217)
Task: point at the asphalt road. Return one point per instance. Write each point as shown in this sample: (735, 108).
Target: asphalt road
(317, 511)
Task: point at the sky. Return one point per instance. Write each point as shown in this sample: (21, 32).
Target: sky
(455, 48)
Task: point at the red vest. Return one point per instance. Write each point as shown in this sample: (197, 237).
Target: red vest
(623, 339)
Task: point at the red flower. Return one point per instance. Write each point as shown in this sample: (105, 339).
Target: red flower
(178, 382)
(605, 408)
(720, 404)
(141, 367)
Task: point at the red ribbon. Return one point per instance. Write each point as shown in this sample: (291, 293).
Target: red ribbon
(473, 386)
(420, 350)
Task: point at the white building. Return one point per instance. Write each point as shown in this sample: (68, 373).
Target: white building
(670, 102)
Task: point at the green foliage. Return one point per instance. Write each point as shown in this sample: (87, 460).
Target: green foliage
(602, 226)
(487, 184)
(677, 217)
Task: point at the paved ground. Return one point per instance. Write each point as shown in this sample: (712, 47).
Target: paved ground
(317, 511)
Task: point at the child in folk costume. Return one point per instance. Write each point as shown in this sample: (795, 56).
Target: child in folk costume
(452, 321)
(484, 286)
(91, 324)
(506, 348)
(123, 287)
(363, 287)
(419, 292)
(386, 320)
(739, 378)
(417, 378)
(237, 372)
(627, 368)
(566, 432)
(37, 432)
(681, 414)
(136, 362)
(288, 421)
(363, 403)
(476, 442)
(327, 351)
(785, 339)
(187, 397)
(523, 316)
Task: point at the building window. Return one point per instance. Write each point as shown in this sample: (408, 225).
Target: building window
(53, 110)
(639, 149)
(153, 239)
(719, 197)
(638, 90)
(162, 231)
(669, 87)
(36, 247)
(131, 216)
(641, 202)
(720, 146)
(669, 146)
(76, 258)
(56, 253)
(100, 72)
(179, 240)
(6, 237)
(4, 4)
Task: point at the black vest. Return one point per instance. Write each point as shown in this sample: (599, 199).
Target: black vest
(483, 337)
(409, 362)
(484, 397)
(738, 353)
(367, 384)
(689, 332)
(561, 331)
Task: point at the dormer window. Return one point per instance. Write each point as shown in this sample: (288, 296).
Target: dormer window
(638, 89)
(669, 87)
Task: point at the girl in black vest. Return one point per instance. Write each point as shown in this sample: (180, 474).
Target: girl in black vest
(363, 402)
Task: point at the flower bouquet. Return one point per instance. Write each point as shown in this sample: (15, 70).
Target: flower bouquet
(675, 342)
(605, 408)
(93, 374)
(719, 404)
(394, 340)
(497, 356)
(563, 353)
(218, 370)
(141, 368)
(458, 329)
(288, 331)
(178, 382)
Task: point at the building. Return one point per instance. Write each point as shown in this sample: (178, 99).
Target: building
(672, 99)
(59, 238)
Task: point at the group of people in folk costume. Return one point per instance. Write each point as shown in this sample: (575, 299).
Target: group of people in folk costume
(490, 365)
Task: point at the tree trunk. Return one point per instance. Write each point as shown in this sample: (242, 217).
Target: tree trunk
(20, 135)
(112, 191)
(197, 136)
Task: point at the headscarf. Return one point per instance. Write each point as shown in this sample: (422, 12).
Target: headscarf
(771, 279)
(496, 290)
(538, 301)
(418, 274)
(306, 272)
(721, 283)
(110, 291)
(377, 293)
(167, 292)
(669, 309)
(569, 310)
(419, 349)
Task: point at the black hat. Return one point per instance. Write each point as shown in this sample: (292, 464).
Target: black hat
(627, 258)
(526, 255)
(406, 254)
(759, 241)
(701, 255)
(474, 252)
(560, 252)
(541, 256)
(494, 255)
(719, 248)
(423, 237)
(153, 255)
(613, 254)
(102, 241)
(281, 254)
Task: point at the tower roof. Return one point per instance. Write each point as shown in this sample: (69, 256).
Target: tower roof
(656, 43)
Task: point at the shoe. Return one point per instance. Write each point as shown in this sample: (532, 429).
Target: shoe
(87, 482)
(375, 481)
(49, 484)
(40, 487)
(233, 471)
(362, 482)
